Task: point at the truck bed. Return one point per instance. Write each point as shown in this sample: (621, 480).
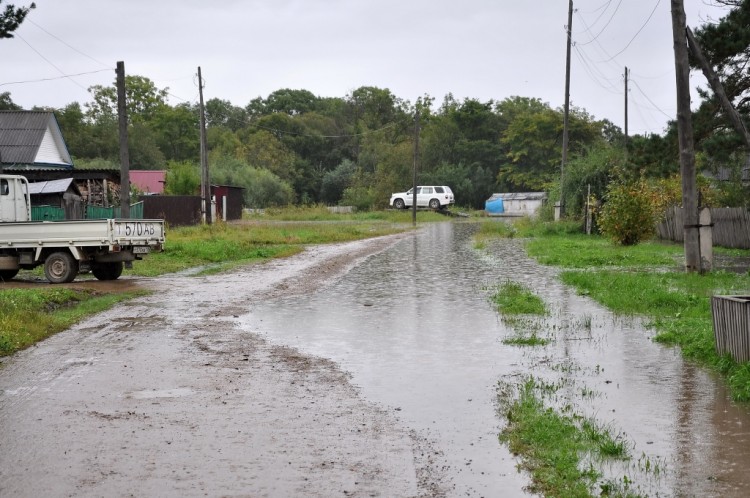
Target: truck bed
(111, 232)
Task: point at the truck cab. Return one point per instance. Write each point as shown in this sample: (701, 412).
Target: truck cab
(15, 203)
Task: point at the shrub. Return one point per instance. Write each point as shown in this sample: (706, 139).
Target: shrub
(629, 215)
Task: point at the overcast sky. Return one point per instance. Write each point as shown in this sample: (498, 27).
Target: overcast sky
(483, 49)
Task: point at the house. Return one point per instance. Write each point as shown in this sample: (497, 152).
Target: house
(32, 145)
(32, 140)
(515, 204)
(149, 181)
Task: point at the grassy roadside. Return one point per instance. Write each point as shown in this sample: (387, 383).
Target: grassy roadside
(30, 315)
(646, 280)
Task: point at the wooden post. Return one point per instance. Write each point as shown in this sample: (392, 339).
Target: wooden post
(122, 115)
(685, 135)
(566, 115)
(205, 178)
(416, 163)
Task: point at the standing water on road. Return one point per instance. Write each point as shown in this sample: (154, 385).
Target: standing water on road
(414, 328)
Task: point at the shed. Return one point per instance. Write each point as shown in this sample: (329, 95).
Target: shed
(62, 194)
(515, 204)
(229, 201)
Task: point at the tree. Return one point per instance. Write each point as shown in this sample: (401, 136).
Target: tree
(7, 104)
(143, 100)
(12, 17)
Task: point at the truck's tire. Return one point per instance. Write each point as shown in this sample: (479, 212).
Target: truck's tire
(107, 271)
(60, 267)
(6, 275)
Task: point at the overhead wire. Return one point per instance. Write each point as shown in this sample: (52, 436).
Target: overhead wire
(68, 45)
(596, 37)
(49, 61)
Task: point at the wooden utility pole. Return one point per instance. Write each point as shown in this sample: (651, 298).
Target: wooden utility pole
(205, 178)
(122, 114)
(416, 165)
(685, 135)
(566, 115)
(626, 108)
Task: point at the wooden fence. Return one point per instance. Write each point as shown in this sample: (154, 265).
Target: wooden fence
(731, 227)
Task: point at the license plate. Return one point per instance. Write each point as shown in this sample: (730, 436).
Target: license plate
(141, 249)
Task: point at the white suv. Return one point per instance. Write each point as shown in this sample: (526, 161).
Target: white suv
(432, 197)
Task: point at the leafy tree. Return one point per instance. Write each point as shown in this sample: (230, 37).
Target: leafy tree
(262, 188)
(12, 17)
(142, 100)
(183, 178)
(594, 169)
(336, 181)
(7, 104)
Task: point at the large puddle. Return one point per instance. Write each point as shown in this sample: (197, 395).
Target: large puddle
(414, 328)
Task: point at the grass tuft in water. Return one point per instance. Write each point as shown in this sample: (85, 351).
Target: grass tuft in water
(513, 298)
(558, 450)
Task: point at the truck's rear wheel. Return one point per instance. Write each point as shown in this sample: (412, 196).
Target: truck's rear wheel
(60, 267)
(107, 271)
(6, 275)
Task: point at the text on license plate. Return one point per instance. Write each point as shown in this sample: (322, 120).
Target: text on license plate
(141, 249)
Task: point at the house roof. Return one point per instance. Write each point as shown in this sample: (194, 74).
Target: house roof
(32, 138)
(149, 181)
(52, 187)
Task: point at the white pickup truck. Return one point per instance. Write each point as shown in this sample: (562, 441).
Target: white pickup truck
(66, 248)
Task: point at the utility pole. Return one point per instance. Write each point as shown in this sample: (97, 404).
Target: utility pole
(416, 164)
(566, 116)
(626, 109)
(205, 178)
(685, 136)
(122, 114)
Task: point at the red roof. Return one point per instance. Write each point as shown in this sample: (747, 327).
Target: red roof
(149, 182)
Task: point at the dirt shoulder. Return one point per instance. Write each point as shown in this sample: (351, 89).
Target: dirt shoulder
(166, 395)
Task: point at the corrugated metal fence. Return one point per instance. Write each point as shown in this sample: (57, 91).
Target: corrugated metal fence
(731, 227)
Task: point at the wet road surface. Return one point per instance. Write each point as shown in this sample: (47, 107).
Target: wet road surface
(361, 369)
(414, 328)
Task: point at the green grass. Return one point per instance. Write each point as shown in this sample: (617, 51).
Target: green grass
(552, 445)
(321, 213)
(30, 315)
(512, 298)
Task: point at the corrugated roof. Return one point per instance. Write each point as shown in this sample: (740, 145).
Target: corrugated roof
(50, 187)
(22, 134)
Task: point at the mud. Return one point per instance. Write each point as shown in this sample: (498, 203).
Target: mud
(166, 396)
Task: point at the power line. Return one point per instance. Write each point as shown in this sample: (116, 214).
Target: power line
(597, 20)
(636, 33)
(54, 78)
(68, 45)
(49, 62)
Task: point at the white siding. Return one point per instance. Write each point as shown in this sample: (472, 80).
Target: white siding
(51, 151)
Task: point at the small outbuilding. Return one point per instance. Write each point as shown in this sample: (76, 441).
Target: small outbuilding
(515, 204)
(60, 194)
(149, 181)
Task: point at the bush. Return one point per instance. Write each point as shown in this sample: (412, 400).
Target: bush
(628, 215)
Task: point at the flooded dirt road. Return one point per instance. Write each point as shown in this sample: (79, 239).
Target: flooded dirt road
(363, 369)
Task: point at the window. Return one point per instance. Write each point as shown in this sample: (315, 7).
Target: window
(426, 190)
(439, 190)
(4, 187)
